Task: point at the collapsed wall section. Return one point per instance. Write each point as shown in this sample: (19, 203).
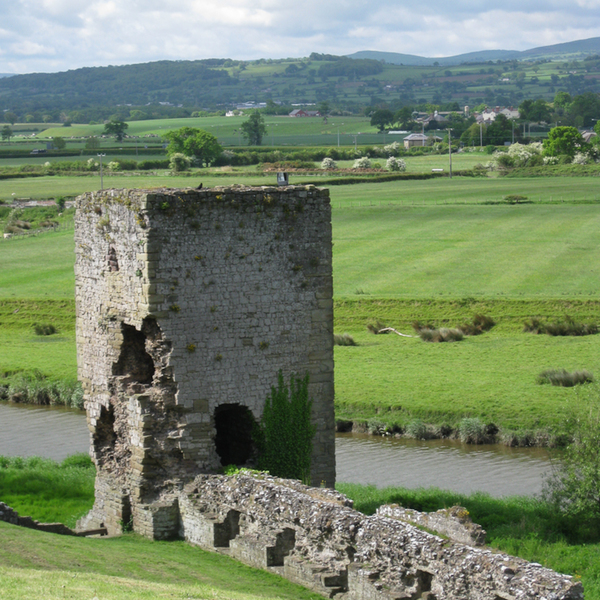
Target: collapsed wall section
(189, 302)
(314, 537)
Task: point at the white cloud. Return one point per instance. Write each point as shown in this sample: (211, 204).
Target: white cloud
(49, 35)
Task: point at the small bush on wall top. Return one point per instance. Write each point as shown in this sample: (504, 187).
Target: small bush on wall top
(285, 433)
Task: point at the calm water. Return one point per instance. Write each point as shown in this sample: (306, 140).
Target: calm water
(500, 471)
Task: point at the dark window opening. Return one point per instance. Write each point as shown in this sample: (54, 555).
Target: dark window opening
(134, 361)
(234, 425)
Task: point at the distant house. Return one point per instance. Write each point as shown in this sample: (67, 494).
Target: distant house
(300, 112)
(488, 115)
(588, 135)
(415, 139)
(420, 139)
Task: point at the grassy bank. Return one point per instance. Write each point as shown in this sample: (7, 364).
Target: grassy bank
(38, 565)
(397, 264)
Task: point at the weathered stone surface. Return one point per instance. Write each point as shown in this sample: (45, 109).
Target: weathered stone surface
(327, 546)
(9, 515)
(188, 304)
(453, 522)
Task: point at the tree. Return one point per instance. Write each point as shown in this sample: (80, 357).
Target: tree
(381, 118)
(195, 143)
(500, 131)
(58, 143)
(92, 143)
(116, 128)
(254, 129)
(562, 101)
(564, 140)
(586, 106)
(534, 110)
(404, 117)
(7, 133)
(575, 487)
(10, 117)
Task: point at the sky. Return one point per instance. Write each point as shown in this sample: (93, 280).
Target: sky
(59, 35)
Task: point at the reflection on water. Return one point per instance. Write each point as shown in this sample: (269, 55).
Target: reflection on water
(450, 465)
(500, 471)
(56, 433)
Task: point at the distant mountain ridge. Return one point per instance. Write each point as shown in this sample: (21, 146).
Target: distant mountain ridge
(565, 50)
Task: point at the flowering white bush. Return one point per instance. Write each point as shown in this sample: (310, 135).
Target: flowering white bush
(580, 159)
(92, 164)
(113, 165)
(395, 164)
(521, 153)
(47, 164)
(392, 149)
(328, 164)
(362, 163)
(550, 160)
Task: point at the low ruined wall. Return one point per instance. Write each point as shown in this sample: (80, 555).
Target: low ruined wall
(314, 537)
(9, 515)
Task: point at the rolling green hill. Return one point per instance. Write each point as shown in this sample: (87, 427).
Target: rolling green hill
(167, 89)
(577, 49)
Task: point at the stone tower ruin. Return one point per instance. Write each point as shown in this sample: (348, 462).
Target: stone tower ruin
(189, 303)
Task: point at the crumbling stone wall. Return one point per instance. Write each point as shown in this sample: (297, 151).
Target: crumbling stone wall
(188, 304)
(314, 537)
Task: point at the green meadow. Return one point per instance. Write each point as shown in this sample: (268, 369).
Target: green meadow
(40, 565)
(436, 251)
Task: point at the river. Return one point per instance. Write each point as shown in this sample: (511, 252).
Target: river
(498, 470)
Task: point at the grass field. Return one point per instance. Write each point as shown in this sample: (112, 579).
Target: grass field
(399, 263)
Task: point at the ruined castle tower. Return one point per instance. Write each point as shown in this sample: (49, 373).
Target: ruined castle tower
(189, 302)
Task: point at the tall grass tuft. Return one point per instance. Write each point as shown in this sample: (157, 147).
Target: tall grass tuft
(343, 340)
(444, 334)
(560, 328)
(35, 388)
(480, 324)
(417, 429)
(376, 327)
(564, 378)
(44, 329)
(430, 333)
(472, 431)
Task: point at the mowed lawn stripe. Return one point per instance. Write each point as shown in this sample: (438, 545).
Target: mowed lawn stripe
(530, 250)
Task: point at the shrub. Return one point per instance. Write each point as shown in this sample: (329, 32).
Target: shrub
(179, 162)
(328, 164)
(563, 378)
(472, 431)
(480, 324)
(580, 158)
(560, 328)
(362, 163)
(417, 429)
(395, 164)
(514, 199)
(344, 340)
(443, 334)
(376, 327)
(574, 486)
(44, 329)
(285, 433)
(392, 149)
